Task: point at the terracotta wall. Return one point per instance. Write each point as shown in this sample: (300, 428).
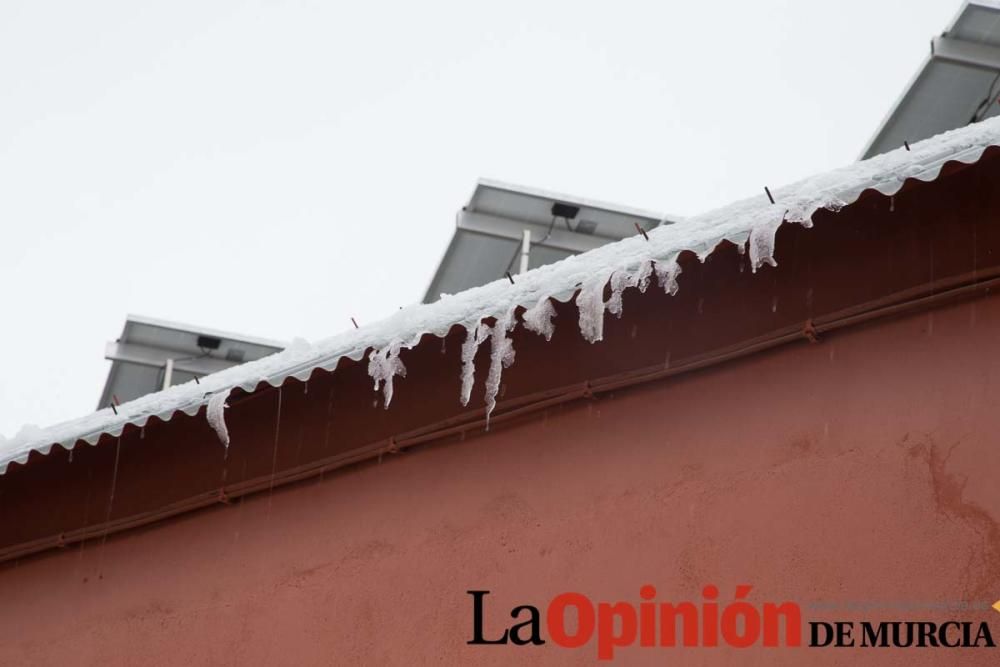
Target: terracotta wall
(861, 468)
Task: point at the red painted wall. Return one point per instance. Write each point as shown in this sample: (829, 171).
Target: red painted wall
(860, 469)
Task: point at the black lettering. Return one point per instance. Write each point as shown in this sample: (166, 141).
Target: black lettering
(984, 634)
(844, 629)
(872, 637)
(927, 638)
(814, 628)
(477, 620)
(897, 639)
(533, 623)
(943, 635)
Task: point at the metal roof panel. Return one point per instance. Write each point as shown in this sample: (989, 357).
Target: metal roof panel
(958, 78)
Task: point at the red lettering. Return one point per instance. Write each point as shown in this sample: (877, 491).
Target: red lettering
(555, 618)
(607, 640)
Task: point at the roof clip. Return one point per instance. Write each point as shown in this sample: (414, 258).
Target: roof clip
(223, 497)
(641, 231)
(809, 331)
(906, 144)
(115, 403)
(769, 195)
(509, 277)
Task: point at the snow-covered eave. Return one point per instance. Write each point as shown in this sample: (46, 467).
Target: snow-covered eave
(628, 263)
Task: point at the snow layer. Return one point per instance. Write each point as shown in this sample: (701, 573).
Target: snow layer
(628, 263)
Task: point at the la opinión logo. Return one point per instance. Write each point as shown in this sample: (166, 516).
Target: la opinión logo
(709, 622)
(652, 624)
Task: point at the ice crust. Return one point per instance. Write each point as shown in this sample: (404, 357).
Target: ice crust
(629, 263)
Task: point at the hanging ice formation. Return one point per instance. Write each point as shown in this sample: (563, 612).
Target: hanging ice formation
(592, 305)
(216, 418)
(751, 225)
(666, 275)
(384, 363)
(473, 334)
(539, 318)
(501, 356)
(762, 244)
(383, 366)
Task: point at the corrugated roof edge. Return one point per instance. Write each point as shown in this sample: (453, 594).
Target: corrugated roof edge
(626, 263)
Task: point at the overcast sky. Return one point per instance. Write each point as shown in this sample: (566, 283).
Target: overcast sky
(276, 168)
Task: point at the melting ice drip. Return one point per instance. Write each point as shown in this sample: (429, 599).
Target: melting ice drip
(384, 364)
(216, 418)
(540, 320)
(501, 356)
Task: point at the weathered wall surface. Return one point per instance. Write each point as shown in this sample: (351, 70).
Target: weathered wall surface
(862, 468)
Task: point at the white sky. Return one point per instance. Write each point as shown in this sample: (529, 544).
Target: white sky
(276, 168)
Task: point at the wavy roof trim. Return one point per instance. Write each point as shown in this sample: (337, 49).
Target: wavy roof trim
(751, 222)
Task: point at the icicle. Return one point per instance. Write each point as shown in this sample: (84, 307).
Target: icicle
(501, 356)
(216, 418)
(590, 303)
(539, 317)
(762, 244)
(383, 366)
(473, 337)
(666, 275)
(622, 279)
(590, 300)
(643, 275)
(619, 281)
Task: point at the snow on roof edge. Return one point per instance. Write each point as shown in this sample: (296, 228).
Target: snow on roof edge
(626, 263)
